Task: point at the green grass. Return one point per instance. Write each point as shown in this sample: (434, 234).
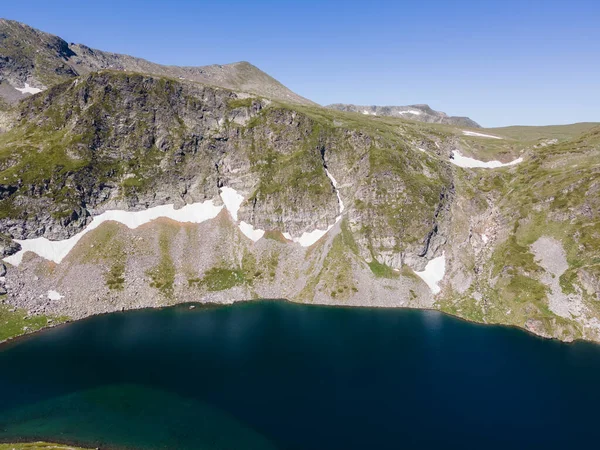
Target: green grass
(535, 133)
(240, 103)
(382, 271)
(220, 279)
(162, 275)
(106, 245)
(15, 322)
(37, 446)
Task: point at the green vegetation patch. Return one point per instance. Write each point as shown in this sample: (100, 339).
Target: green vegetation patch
(235, 103)
(107, 245)
(37, 446)
(220, 279)
(15, 322)
(382, 270)
(162, 275)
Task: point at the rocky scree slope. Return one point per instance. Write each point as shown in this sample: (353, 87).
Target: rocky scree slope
(29, 57)
(421, 113)
(122, 141)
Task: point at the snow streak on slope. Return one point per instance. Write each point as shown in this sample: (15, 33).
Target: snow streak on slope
(464, 161)
(309, 238)
(337, 192)
(473, 133)
(57, 250)
(233, 201)
(28, 89)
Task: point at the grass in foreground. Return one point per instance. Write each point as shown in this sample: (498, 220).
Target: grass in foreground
(16, 322)
(37, 446)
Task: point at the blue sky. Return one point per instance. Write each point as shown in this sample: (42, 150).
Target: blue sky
(499, 62)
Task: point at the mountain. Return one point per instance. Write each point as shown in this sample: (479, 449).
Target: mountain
(123, 190)
(33, 58)
(421, 113)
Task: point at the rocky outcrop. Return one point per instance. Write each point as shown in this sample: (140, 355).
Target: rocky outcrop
(420, 113)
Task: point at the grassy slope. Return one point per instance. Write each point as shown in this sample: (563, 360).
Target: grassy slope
(532, 133)
(553, 193)
(15, 322)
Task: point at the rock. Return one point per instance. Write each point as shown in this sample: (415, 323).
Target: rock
(8, 246)
(589, 282)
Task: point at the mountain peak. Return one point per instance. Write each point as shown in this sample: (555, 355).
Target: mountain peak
(34, 60)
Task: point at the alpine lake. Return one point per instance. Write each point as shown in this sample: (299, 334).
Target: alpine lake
(279, 375)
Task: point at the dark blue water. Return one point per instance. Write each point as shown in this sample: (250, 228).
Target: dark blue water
(275, 375)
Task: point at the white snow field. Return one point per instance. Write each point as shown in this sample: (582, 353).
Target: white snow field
(53, 295)
(470, 163)
(250, 232)
(473, 133)
(57, 250)
(28, 89)
(412, 111)
(434, 273)
(233, 200)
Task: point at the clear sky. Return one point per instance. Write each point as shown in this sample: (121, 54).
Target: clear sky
(530, 62)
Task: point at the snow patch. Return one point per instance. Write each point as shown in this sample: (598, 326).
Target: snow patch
(473, 133)
(309, 238)
(57, 250)
(434, 273)
(464, 161)
(232, 201)
(422, 149)
(337, 192)
(28, 89)
(484, 238)
(53, 295)
(250, 232)
(411, 111)
(288, 236)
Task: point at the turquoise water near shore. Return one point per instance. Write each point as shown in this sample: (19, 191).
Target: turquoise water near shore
(277, 375)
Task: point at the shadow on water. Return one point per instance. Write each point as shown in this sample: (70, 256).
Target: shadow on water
(281, 375)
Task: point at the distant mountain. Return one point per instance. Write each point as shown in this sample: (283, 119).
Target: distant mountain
(31, 60)
(421, 113)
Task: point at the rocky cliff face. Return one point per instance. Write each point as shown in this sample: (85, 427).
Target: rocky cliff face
(118, 141)
(421, 113)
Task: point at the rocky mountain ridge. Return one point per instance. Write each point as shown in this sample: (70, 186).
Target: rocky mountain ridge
(307, 203)
(421, 113)
(34, 60)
